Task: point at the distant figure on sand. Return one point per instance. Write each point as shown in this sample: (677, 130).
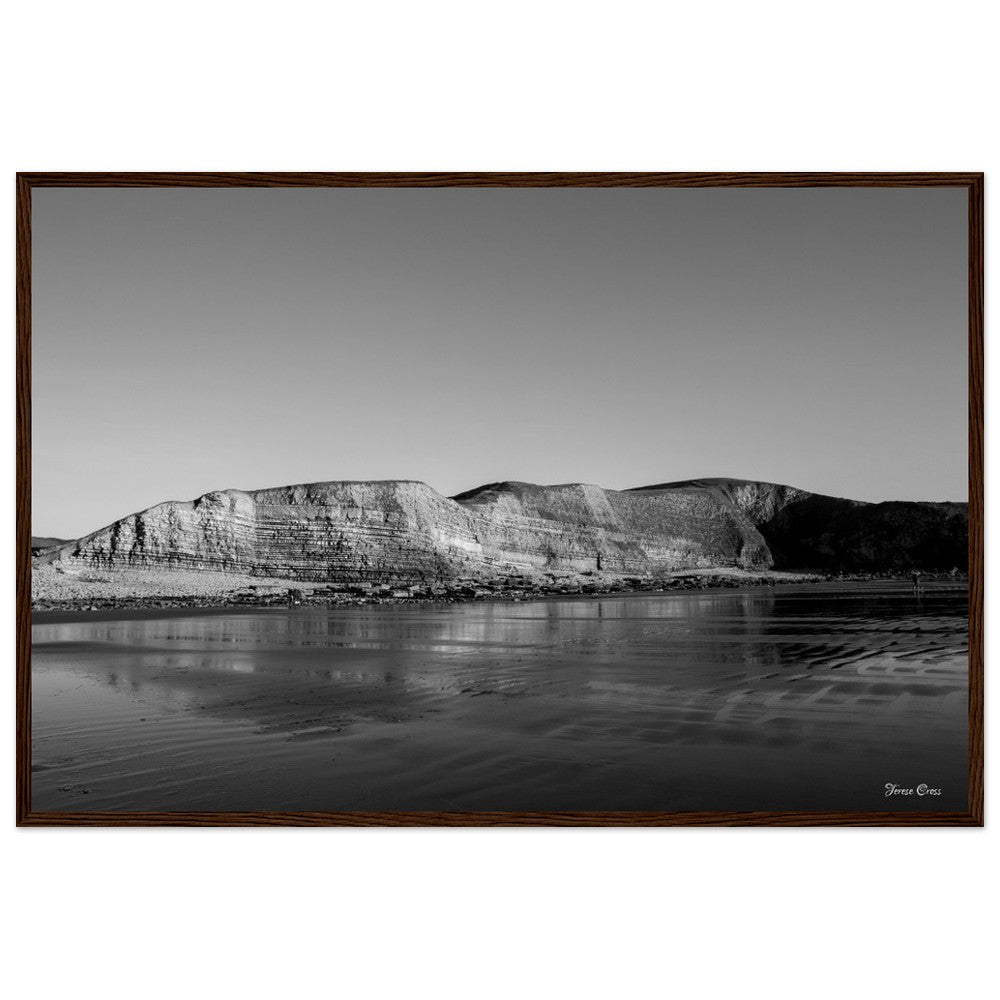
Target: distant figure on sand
(916, 582)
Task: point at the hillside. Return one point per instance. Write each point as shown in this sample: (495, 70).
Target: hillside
(40, 542)
(399, 530)
(809, 531)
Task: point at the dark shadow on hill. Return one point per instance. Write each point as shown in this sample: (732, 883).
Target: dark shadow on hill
(827, 533)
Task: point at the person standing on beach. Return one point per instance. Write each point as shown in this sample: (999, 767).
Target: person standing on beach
(916, 582)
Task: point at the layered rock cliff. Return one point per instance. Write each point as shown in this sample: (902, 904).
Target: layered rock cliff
(403, 530)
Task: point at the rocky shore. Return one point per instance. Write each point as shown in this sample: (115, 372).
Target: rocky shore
(204, 591)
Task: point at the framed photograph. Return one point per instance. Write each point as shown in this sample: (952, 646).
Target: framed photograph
(500, 499)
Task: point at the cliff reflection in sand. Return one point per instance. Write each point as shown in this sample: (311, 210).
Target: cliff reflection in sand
(764, 699)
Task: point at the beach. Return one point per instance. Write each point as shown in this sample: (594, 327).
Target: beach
(786, 697)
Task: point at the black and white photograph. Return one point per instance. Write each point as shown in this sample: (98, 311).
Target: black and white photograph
(548, 499)
(500, 501)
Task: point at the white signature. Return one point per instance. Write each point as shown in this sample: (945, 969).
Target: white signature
(893, 789)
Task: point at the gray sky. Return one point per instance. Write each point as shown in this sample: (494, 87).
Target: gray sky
(191, 340)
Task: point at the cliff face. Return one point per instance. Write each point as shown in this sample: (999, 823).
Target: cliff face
(808, 531)
(401, 530)
(317, 531)
(406, 530)
(581, 527)
(827, 533)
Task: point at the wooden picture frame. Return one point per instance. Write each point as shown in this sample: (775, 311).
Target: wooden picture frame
(972, 183)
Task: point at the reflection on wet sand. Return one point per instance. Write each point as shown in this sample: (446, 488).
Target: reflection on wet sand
(788, 699)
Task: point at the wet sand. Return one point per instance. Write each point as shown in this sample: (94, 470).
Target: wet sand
(767, 698)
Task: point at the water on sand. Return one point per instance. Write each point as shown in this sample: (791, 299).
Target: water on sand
(788, 698)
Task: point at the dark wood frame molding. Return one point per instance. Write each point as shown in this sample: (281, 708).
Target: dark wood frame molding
(972, 182)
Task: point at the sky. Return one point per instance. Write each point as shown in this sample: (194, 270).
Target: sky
(188, 340)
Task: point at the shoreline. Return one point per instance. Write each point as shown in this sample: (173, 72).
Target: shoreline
(458, 592)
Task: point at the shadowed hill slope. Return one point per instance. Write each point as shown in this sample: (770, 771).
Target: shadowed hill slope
(828, 533)
(39, 542)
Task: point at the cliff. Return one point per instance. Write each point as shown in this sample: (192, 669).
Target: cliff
(827, 533)
(809, 531)
(580, 527)
(404, 530)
